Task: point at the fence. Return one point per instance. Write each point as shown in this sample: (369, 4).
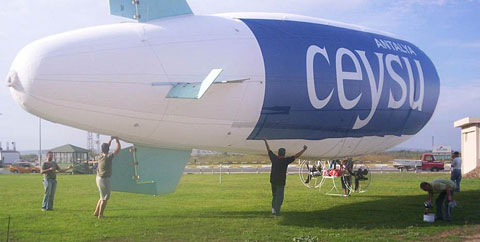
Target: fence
(292, 169)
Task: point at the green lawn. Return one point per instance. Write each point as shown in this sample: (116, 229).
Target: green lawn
(237, 210)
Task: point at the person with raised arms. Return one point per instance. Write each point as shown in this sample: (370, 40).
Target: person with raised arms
(278, 175)
(104, 172)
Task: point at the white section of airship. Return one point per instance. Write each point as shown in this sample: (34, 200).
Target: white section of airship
(101, 79)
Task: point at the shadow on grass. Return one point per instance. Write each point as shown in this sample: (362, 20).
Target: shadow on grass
(383, 212)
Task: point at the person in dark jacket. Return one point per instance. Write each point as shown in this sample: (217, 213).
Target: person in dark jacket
(278, 175)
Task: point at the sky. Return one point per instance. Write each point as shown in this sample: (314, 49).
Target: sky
(448, 31)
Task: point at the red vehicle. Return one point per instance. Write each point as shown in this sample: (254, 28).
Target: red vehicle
(427, 163)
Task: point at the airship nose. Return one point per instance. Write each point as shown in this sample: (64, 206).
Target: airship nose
(71, 77)
(22, 75)
(12, 80)
(16, 88)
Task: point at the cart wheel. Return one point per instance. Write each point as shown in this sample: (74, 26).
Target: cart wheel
(310, 173)
(361, 177)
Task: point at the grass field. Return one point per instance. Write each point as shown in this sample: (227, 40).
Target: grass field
(237, 210)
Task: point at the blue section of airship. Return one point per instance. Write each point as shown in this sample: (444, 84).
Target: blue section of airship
(331, 82)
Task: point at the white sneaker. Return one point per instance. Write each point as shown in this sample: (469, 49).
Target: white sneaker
(273, 210)
(43, 210)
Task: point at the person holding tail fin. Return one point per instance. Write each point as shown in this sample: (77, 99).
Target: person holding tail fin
(104, 172)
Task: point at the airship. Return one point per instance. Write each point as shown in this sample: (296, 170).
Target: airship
(170, 81)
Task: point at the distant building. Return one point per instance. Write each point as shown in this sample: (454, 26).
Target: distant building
(470, 142)
(196, 152)
(442, 152)
(8, 157)
(69, 154)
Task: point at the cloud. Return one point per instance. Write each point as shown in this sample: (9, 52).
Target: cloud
(428, 2)
(307, 7)
(14, 8)
(460, 99)
(457, 43)
(414, 3)
(419, 7)
(456, 102)
(475, 45)
(410, 6)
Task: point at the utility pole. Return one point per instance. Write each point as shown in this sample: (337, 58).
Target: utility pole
(97, 142)
(40, 141)
(90, 141)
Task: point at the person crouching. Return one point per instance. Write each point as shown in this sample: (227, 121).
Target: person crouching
(445, 189)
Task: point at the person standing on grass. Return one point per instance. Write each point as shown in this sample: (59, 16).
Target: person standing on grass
(456, 175)
(346, 180)
(49, 171)
(104, 172)
(278, 175)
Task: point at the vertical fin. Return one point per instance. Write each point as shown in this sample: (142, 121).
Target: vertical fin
(148, 170)
(146, 10)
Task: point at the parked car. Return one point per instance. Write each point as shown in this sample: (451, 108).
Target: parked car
(428, 162)
(23, 167)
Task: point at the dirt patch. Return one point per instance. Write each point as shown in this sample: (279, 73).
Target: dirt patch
(472, 238)
(465, 234)
(473, 174)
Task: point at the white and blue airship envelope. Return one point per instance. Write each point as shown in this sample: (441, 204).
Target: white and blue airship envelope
(174, 81)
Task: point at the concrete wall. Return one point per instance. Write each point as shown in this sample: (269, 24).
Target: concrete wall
(470, 143)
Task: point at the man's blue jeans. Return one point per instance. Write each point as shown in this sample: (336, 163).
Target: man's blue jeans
(50, 186)
(442, 200)
(277, 200)
(456, 177)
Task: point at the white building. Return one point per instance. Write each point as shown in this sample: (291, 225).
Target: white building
(470, 142)
(8, 157)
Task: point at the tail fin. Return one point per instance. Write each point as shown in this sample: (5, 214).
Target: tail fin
(147, 170)
(146, 10)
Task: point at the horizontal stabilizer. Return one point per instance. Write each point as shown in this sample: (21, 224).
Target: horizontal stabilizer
(233, 81)
(147, 170)
(146, 10)
(194, 90)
